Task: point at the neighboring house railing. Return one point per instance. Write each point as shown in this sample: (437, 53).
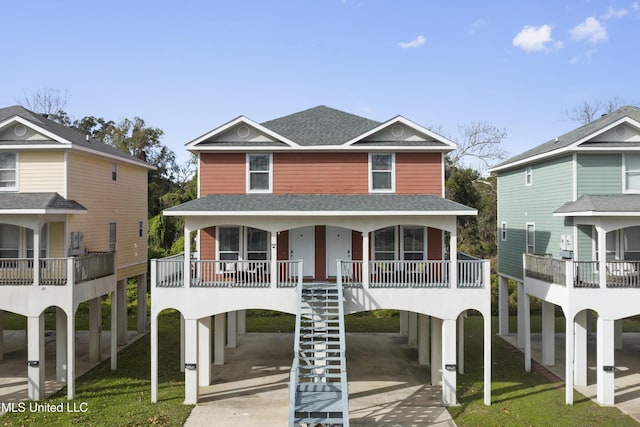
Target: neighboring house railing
(582, 274)
(55, 271)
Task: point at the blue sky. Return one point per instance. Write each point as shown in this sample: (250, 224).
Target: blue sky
(190, 66)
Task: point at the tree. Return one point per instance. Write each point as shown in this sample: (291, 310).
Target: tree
(591, 110)
(480, 141)
(46, 101)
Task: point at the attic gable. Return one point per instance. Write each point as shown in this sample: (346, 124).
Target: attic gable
(240, 132)
(18, 131)
(400, 132)
(624, 132)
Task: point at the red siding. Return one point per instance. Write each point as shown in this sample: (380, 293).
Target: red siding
(419, 173)
(434, 243)
(356, 245)
(223, 173)
(321, 252)
(208, 243)
(283, 245)
(321, 173)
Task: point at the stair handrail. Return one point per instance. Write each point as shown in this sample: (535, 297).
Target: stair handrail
(343, 360)
(293, 376)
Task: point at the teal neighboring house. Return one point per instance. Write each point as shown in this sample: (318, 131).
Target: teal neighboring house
(569, 235)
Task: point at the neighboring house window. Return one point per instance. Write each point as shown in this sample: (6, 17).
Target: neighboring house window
(259, 173)
(228, 243)
(9, 241)
(8, 171)
(632, 243)
(257, 244)
(384, 244)
(531, 238)
(413, 243)
(114, 172)
(44, 235)
(140, 229)
(503, 231)
(381, 172)
(113, 236)
(632, 173)
(528, 176)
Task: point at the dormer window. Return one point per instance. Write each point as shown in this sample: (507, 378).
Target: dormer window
(8, 171)
(381, 172)
(114, 172)
(259, 173)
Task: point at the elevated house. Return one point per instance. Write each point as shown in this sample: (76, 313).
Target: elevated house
(73, 228)
(321, 197)
(569, 235)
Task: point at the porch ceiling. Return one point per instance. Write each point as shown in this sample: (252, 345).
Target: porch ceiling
(320, 205)
(38, 203)
(602, 205)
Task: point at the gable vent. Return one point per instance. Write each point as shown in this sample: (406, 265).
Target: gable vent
(20, 130)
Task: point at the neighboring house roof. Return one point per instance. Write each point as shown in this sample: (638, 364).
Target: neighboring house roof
(320, 128)
(320, 204)
(61, 135)
(38, 203)
(577, 137)
(601, 205)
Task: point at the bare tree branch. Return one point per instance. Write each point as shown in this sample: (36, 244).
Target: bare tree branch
(480, 141)
(46, 101)
(591, 110)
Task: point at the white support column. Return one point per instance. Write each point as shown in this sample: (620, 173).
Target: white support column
(449, 370)
(114, 330)
(526, 304)
(412, 340)
(589, 322)
(568, 355)
(35, 357)
(461, 318)
(141, 280)
(36, 254)
(365, 260)
(232, 329)
(436, 351)
(182, 339)
(71, 355)
(191, 361)
(605, 362)
(273, 261)
(1, 335)
(95, 329)
(121, 302)
(580, 349)
(487, 358)
(242, 322)
(521, 315)
(453, 257)
(602, 261)
(204, 351)
(503, 305)
(423, 339)
(617, 337)
(219, 338)
(187, 257)
(154, 358)
(548, 334)
(404, 323)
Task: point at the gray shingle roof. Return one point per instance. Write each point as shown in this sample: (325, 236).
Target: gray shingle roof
(321, 126)
(576, 135)
(38, 201)
(320, 203)
(602, 203)
(71, 135)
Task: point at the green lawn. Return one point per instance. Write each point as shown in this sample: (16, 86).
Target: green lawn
(122, 397)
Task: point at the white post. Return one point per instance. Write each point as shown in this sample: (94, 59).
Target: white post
(548, 334)
(121, 302)
(186, 276)
(114, 329)
(521, 314)
(449, 370)
(1, 335)
(61, 345)
(602, 259)
(273, 262)
(204, 351)
(232, 329)
(95, 329)
(605, 362)
(182, 343)
(453, 257)
(191, 364)
(487, 357)
(404, 323)
(503, 306)
(35, 357)
(618, 334)
(365, 260)
(461, 318)
(71, 354)
(580, 349)
(412, 340)
(526, 332)
(423, 339)
(436, 351)
(218, 339)
(36, 254)
(154, 355)
(242, 322)
(568, 354)
(141, 280)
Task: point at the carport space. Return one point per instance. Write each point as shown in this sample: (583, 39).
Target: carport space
(387, 386)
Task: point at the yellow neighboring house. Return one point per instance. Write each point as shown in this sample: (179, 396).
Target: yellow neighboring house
(73, 228)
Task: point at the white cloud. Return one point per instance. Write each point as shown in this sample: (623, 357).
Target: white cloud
(573, 60)
(417, 42)
(476, 25)
(612, 13)
(635, 5)
(532, 38)
(591, 30)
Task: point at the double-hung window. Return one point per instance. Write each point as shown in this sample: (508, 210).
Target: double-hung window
(384, 244)
(229, 243)
(257, 244)
(113, 236)
(632, 173)
(528, 176)
(259, 173)
(413, 243)
(9, 241)
(381, 172)
(8, 171)
(531, 238)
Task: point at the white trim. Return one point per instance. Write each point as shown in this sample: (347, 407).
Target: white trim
(425, 231)
(625, 190)
(193, 145)
(320, 213)
(198, 173)
(36, 128)
(597, 214)
(574, 184)
(41, 211)
(442, 174)
(240, 241)
(396, 246)
(16, 169)
(316, 148)
(65, 173)
(393, 173)
(248, 173)
(526, 237)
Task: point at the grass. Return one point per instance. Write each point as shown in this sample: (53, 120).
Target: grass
(122, 397)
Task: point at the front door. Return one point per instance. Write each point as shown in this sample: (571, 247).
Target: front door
(301, 247)
(338, 247)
